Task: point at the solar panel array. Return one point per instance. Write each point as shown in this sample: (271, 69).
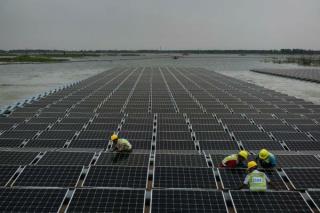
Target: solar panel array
(301, 74)
(55, 152)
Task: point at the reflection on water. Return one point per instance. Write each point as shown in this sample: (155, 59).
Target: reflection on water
(20, 81)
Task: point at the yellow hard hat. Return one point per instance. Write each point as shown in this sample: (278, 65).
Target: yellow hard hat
(263, 154)
(244, 154)
(252, 164)
(114, 137)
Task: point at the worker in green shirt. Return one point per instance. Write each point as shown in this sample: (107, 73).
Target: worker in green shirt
(120, 144)
(256, 181)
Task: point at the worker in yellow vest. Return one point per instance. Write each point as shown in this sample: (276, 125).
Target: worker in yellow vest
(235, 160)
(256, 181)
(120, 144)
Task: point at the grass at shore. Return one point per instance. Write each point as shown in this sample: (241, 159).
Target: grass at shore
(28, 58)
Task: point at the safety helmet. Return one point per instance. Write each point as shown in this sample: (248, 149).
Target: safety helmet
(263, 154)
(114, 137)
(244, 154)
(252, 164)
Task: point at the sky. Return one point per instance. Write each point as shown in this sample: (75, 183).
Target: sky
(155, 24)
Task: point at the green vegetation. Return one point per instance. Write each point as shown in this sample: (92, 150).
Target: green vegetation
(28, 58)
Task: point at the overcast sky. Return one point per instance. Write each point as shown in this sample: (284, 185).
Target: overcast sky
(151, 24)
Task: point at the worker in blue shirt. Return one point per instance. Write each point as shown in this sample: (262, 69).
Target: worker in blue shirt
(266, 159)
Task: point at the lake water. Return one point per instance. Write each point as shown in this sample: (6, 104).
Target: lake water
(21, 81)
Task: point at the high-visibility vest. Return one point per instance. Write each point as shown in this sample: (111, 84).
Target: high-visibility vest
(229, 158)
(123, 144)
(257, 181)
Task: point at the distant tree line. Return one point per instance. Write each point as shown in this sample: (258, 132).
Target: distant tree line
(98, 52)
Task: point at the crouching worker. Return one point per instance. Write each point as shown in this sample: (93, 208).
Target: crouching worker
(235, 160)
(120, 144)
(255, 180)
(266, 159)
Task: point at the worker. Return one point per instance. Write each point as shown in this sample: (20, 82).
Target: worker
(120, 144)
(255, 180)
(235, 160)
(266, 159)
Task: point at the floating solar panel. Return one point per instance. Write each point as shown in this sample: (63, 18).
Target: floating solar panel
(18, 134)
(218, 145)
(213, 136)
(235, 121)
(104, 127)
(180, 160)
(17, 158)
(31, 200)
(316, 135)
(304, 178)
(123, 159)
(95, 135)
(297, 161)
(66, 158)
(41, 143)
(246, 201)
(249, 136)
(203, 121)
(4, 120)
(175, 145)
(277, 128)
(309, 128)
(257, 145)
(299, 121)
(10, 142)
(207, 127)
(303, 145)
(115, 176)
(233, 178)
(45, 120)
(268, 121)
(183, 177)
(139, 120)
(32, 126)
(5, 126)
(187, 201)
(291, 136)
(89, 143)
(164, 136)
(315, 196)
(49, 176)
(107, 200)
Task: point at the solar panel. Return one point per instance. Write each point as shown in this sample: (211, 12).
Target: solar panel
(66, 158)
(32, 126)
(218, 145)
(257, 145)
(203, 121)
(18, 134)
(304, 178)
(268, 121)
(175, 160)
(297, 161)
(309, 128)
(184, 177)
(38, 143)
(315, 196)
(316, 135)
(293, 136)
(49, 176)
(165, 136)
(137, 127)
(246, 201)
(10, 142)
(235, 121)
(277, 128)
(135, 135)
(115, 176)
(31, 200)
(89, 143)
(123, 159)
(5, 126)
(175, 145)
(187, 201)
(65, 126)
(57, 134)
(17, 158)
(242, 127)
(213, 136)
(249, 136)
(107, 200)
(207, 127)
(104, 127)
(95, 135)
(6, 173)
(233, 178)
(45, 120)
(303, 145)
(173, 128)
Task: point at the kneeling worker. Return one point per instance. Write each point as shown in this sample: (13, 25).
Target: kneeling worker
(266, 159)
(235, 160)
(255, 180)
(120, 144)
